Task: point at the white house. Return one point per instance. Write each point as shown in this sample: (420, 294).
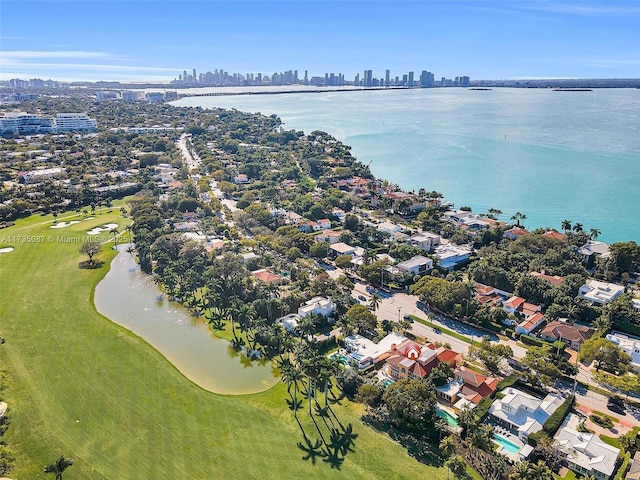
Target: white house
(592, 249)
(364, 352)
(427, 241)
(289, 322)
(319, 305)
(450, 255)
(342, 248)
(629, 344)
(522, 413)
(417, 265)
(600, 292)
(339, 214)
(388, 227)
(587, 454)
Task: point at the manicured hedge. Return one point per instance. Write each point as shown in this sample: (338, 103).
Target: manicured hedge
(553, 423)
(527, 340)
(628, 327)
(508, 381)
(622, 471)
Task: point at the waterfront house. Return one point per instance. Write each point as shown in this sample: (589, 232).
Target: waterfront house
(555, 235)
(522, 413)
(515, 233)
(600, 292)
(591, 250)
(587, 454)
(574, 335)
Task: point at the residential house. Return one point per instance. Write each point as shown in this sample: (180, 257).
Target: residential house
(555, 235)
(521, 413)
(530, 323)
(554, 280)
(363, 352)
(600, 292)
(241, 179)
(324, 224)
(450, 256)
(591, 250)
(587, 454)
(289, 322)
(342, 248)
(417, 265)
(186, 226)
(628, 344)
(467, 388)
(292, 218)
(427, 241)
(408, 360)
(488, 295)
(330, 236)
(513, 304)
(339, 214)
(318, 305)
(515, 233)
(388, 227)
(267, 276)
(465, 219)
(574, 335)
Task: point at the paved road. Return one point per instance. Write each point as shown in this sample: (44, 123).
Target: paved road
(193, 161)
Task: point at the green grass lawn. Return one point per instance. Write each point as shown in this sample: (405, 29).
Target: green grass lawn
(86, 388)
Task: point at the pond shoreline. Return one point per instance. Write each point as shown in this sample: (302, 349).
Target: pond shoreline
(184, 340)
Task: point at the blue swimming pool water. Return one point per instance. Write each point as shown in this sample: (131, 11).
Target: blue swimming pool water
(507, 446)
(451, 420)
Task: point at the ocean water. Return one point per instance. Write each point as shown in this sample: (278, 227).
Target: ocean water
(549, 155)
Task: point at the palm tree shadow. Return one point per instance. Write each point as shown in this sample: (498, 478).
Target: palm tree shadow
(333, 457)
(312, 450)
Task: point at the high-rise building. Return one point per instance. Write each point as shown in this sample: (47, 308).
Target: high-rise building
(386, 77)
(368, 78)
(427, 79)
(410, 81)
(356, 80)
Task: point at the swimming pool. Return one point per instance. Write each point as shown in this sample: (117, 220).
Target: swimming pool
(507, 446)
(450, 419)
(343, 358)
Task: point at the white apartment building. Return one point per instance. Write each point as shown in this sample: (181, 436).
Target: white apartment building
(73, 122)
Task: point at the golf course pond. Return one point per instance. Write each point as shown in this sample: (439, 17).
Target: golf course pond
(131, 299)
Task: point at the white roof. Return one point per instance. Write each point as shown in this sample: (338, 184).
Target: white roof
(525, 411)
(342, 247)
(593, 247)
(416, 261)
(588, 451)
(600, 292)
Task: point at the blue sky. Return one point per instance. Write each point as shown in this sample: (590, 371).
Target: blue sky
(156, 40)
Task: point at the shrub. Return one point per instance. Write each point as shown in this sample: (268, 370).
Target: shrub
(622, 471)
(553, 423)
(536, 437)
(527, 340)
(604, 422)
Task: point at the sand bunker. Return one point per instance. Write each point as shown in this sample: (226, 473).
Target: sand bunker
(6, 250)
(104, 228)
(64, 224)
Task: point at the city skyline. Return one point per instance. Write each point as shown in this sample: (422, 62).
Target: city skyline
(155, 41)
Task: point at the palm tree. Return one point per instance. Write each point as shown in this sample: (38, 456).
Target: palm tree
(374, 302)
(520, 471)
(115, 234)
(517, 217)
(494, 213)
(540, 471)
(448, 445)
(566, 226)
(594, 233)
(59, 466)
(577, 227)
(457, 465)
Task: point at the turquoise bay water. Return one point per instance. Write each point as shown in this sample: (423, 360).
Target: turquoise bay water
(550, 155)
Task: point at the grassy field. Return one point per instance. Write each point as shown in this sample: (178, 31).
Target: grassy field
(84, 387)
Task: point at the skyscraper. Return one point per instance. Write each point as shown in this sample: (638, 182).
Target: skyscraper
(386, 77)
(410, 82)
(368, 78)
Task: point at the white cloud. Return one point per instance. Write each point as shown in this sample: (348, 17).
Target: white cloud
(72, 54)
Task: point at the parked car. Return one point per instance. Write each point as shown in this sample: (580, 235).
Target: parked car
(362, 298)
(616, 400)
